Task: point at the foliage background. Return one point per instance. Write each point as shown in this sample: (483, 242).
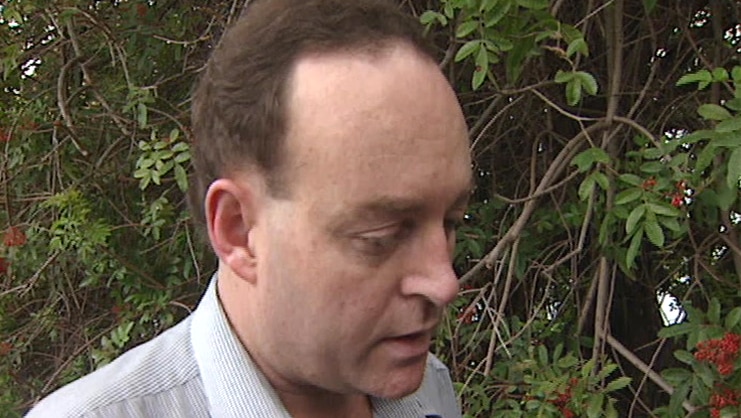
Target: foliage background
(607, 145)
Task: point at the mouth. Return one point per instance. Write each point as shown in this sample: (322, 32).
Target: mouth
(410, 346)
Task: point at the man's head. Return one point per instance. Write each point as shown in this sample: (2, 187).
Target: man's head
(239, 116)
(334, 272)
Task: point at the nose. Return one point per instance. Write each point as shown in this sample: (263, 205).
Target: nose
(430, 270)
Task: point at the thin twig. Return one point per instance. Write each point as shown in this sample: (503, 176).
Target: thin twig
(644, 368)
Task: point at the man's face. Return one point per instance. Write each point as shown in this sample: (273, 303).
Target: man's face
(354, 266)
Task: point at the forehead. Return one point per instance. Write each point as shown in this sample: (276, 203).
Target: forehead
(374, 125)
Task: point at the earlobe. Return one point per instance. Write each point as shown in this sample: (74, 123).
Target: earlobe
(231, 215)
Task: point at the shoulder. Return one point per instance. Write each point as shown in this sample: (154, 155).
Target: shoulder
(159, 372)
(437, 388)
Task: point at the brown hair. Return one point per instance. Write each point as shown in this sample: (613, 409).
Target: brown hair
(239, 115)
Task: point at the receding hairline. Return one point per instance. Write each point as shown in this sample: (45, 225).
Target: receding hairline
(278, 179)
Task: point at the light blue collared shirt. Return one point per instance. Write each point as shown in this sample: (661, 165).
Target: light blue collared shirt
(199, 369)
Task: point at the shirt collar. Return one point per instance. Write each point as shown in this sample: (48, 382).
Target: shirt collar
(236, 388)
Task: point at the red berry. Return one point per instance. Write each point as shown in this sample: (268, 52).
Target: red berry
(5, 348)
(14, 237)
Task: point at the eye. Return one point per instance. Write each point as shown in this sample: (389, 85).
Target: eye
(451, 226)
(382, 241)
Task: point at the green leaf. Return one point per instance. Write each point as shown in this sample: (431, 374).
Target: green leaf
(713, 112)
(618, 384)
(670, 223)
(736, 74)
(543, 355)
(698, 136)
(573, 92)
(705, 157)
(181, 178)
(587, 81)
(449, 10)
(601, 179)
(563, 76)
(533, 4)
(466, 28)
(586, 188)
(498, 44)
(720, 74)
(653, 230)
(635, 215)
(141, 116)
(734, 104)
(676, 375)
(726, 196)
(482, 67)
(586, 370)
(144, 146)
(498, 13)
(570, 32)
(700, 76)
(684, 356)
(679, 396)
(467, 49)
(567, 361)
(155, 177)
(431, 16)
(652, 153)
(729, 125)
(611, 412)
(727, 139)
(663, 209)
(182, 157)
(594, 406)
(631, 179)
(649, 5)
(733, 318)
(577, 45)
(734, 169)
(714, 311)
(586, 159)
(652, 167)
(676, 330)
(174, 135)
(141, 173)
(145, 163)
(628, 195)
(487, 5)
(180, 147)
(635, 245)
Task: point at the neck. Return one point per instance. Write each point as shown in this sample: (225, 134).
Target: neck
(327, 405)
(301, 401)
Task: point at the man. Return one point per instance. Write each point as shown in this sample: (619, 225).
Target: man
(332, 165)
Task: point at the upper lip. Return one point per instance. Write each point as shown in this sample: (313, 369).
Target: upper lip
(418, 333)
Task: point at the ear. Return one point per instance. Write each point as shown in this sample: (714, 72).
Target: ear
(232, 210)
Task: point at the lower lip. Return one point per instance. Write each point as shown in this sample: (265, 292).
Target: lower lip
(410, 346)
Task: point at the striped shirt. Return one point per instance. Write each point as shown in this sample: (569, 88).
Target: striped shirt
(199, 369)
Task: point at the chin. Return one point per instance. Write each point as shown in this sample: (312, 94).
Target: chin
(401, 382)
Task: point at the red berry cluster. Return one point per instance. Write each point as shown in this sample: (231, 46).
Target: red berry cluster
(678, 196)
(723, 398)
(649, 183)
(722, 352)
(563, 399)
(468, 315)
(14, 237)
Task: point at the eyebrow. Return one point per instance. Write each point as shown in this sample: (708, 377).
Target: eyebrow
(388, 207)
